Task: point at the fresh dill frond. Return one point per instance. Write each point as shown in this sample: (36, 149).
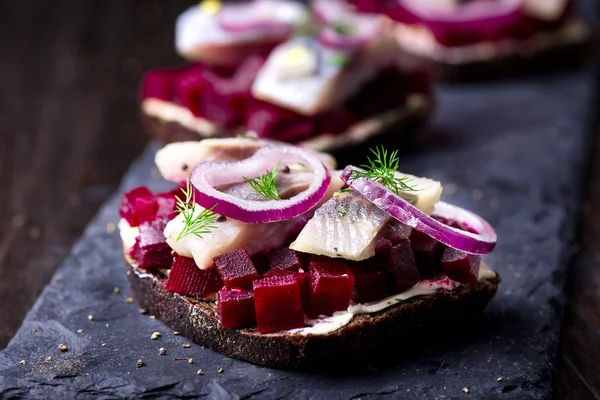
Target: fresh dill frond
(345, 190)
(342, 213)
(196, 223)
(245, 137)
(265, 184)
(340, 27)
(382, 168)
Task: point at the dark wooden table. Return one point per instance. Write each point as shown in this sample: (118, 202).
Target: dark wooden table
(68, 130)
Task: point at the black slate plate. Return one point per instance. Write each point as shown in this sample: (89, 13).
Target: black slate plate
(514, 152)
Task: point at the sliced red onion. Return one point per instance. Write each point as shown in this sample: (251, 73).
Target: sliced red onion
(361, 28)
(482, 242)
(274, 17)
(466, 12)
(208, 175)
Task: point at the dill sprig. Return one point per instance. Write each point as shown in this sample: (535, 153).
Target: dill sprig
(382, 169)
(196, 223)
(265, 184)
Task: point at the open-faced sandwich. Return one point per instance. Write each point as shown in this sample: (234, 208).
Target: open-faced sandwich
(267, 67)
(270, 255)
(473, 39)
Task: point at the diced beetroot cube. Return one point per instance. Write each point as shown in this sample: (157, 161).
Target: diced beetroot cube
(145, 209)
(236, 269)
(225, 100)
(300, 276)
(189, 87)
(278, 304)
(330, 288)
(426, 251)
(460, 267)
(186, 278)
(370, 283)
(401, 267)
(285, 259)
(127, 210)
(167, 202)
(236, 308)
(158, 84)
(150, 250)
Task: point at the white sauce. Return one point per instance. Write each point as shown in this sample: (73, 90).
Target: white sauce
(128, 233)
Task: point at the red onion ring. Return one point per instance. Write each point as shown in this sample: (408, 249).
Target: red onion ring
(247, 17)
(209, 174)
(482, 242)
(363, 27)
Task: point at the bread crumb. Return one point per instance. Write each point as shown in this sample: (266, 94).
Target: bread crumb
(200, 372)
(79, 330)
(450, 189)
(176, 333)
(500, 379)
(117, 290)
(23, 362)
(155, 335)
(19, 220)
(63, 347)
(186, 345)
(108, 325)
(190, 361)
(129, 300)
(140, 363)
(90, 317)
(220, 370)
(153, 317)
(465, 389)
(162, 351)
(34, 330)
(49, 358)
(35, 232)
(143, 311)
(477, 195)
(110, 227)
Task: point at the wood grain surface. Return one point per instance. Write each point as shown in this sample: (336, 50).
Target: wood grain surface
(69, 129)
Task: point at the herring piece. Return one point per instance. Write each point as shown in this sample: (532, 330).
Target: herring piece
(200, 37)
(339, 74)
(547, 10)
(426, 193)
(344, 227)
(172, 158)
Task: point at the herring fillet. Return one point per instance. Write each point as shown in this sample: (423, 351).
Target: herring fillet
(344, 227)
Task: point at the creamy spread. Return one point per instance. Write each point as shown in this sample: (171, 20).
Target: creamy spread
(128, 233)
(419, 40)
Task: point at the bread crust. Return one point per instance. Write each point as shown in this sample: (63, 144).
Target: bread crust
(368, 338)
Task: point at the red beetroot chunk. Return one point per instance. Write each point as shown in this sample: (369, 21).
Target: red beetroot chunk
(330, 288)
(461, 267)
(151, 250)
(260, 263)
(285, 259)
(370, 283)
(158, 84)
(278, 303)
(301, 277)
(427, 252)
(127, 210)
(236, 308)
(236, 269)
(186, 278)
(401, 267)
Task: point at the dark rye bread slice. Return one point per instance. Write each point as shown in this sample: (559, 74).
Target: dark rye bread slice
(556, 56)
(372, 338)
(405, 121)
